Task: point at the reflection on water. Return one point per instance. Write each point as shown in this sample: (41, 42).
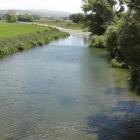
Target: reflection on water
(66, 91)
(122, 124)
(116, 91)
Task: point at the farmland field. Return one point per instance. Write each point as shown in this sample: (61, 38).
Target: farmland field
(16, 37)
(15, 29)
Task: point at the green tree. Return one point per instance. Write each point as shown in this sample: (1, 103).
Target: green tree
(1, 18)
(77, 18)
(36, 17)
(123, 40)
(10, 16)
(129, 34)
(99, 14)
(25, 18)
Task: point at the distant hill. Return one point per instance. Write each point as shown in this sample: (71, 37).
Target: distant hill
(42, 13)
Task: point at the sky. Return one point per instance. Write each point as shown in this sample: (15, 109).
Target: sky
(61, 5)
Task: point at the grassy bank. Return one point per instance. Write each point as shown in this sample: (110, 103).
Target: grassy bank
(18, 37)
(64, 24)
(14, 29)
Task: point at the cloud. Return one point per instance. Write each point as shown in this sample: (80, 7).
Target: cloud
(63, 5)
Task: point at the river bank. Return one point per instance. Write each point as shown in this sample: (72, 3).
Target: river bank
(64, 24)
(71, 31)
(15, 39)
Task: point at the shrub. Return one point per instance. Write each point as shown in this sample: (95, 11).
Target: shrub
(115, 63)
(129, 41)
(26, 18)
(20, 47)
(33, 43)
(11, 17)
(97, 42)
(22, 42)
(111, 40)
(135, 78)
(40, 42)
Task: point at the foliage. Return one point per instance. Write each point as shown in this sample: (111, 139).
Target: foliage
(135, 78)
(1, 18)
(121, 32)
(111, 41)
(63, 23)
(99, 15)
(11, 17)
(115, 63)
(129, 41)
(97, 42)
(36, 17)
(123, 41)
(27, 18)
(77, 18)
(13, 44)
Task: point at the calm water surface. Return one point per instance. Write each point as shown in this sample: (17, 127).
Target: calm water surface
(66, 91)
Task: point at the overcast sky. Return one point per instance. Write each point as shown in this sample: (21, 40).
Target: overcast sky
(63, 5)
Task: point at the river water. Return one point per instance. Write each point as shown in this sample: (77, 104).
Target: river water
(66, 91)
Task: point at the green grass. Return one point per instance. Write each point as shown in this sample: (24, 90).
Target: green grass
(18, 37)
(64, 23)
(15, 29)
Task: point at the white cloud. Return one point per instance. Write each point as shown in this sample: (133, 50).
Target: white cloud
(63, 5)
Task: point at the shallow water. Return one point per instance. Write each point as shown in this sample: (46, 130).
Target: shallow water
(66, 91)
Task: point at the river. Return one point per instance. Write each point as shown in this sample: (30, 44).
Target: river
(66, 91)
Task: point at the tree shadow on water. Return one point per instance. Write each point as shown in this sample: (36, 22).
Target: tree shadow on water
(116, 91)
(118, 127)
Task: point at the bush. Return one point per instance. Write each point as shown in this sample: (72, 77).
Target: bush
(25, 18)
(123, 43)
(129, 41)
(111, 40)
(77, 18)
(40, 42)
(20, 47)
(11, 18)
(26, 41)
(33, 43)
(115, 63)
(97, 42)
(135, 78)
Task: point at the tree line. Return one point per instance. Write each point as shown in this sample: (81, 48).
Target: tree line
(115, 25)
(11, 16)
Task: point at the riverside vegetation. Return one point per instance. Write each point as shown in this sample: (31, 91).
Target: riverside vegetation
(115, 25)
(16, 37)
(74, 21)
(64, 24)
